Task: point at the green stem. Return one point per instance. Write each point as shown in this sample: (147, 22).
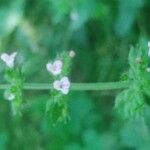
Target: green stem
(75, 86)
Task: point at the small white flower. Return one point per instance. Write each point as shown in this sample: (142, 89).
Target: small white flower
(72, 53)
(62, 85)
(55, 68)
(149, 48)
(9, 59)
(9, 96)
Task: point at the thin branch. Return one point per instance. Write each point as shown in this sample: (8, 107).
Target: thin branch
(75, 86)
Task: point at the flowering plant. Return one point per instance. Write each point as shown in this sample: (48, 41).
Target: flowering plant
(59, 69)
(13, 76)
(130, 102)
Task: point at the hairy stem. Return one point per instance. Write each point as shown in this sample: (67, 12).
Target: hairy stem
(76, 86)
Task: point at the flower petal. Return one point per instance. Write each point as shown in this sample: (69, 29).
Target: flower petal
(9, 59)
(66, 83)
(55, 68)
(49, 67)
(58, 64)
(13, 55)
(56, 85)
(5, 57)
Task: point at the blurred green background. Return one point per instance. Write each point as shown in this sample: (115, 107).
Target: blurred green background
(100, 32)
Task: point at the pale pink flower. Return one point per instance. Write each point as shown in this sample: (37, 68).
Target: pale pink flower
(62, 85)
(55, 68)
(9, 59)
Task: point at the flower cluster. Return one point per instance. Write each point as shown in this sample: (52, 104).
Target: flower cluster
(59, 69)
(9, 60)
(55, 69)
(14, 77)
(57, 105)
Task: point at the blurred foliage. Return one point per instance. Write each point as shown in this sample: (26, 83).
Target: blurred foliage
(100, 32)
